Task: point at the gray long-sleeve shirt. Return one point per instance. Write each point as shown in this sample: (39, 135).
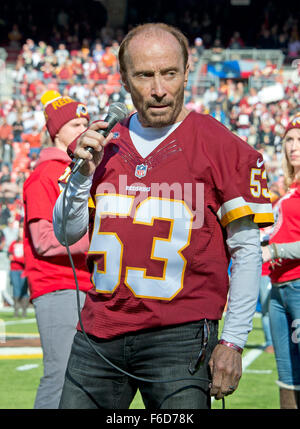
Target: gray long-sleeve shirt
(285, 250)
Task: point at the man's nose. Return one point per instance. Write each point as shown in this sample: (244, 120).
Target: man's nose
(158, 89)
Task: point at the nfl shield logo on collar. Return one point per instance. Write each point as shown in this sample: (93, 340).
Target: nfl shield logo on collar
(140, 171)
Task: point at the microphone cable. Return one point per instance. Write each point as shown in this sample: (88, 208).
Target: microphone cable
(64, 223)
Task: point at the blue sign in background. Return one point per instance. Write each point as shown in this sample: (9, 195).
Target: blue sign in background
(225, 69)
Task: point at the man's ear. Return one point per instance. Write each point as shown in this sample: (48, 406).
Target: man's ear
(56, 140)
(186, 74)
(124, 82)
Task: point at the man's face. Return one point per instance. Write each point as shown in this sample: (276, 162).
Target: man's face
(71, 130)
(156, 77)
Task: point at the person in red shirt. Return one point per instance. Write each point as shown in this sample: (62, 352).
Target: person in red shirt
(47, 266)
(284, 307)
(100, 73)
(109, 59)
(64, 71)
(17, 276)
(6, 131)
(175, 194)
(34, 139)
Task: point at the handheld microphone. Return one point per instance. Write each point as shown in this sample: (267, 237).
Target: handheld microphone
(116, 113)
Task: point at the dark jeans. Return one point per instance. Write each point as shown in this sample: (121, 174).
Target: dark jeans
(161, 354)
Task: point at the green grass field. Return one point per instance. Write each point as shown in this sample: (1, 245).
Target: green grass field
(20, 376)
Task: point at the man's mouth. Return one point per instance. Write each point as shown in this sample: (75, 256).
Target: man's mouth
(159, 107)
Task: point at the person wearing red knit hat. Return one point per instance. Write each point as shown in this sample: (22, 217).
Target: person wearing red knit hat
(283, 252)
(50, 276)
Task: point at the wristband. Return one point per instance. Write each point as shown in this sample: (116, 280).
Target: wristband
(273, 249)
(232, 346)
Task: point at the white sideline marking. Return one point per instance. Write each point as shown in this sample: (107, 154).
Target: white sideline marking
(27, 367)
(12, 335)
(8, 351)
(250, 357)
(258, 371)
(21, 322)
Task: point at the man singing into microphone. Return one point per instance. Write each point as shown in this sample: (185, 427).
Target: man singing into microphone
(47, 265)
(176, 195)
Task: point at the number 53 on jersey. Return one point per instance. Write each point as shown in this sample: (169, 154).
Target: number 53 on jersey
(169, 250)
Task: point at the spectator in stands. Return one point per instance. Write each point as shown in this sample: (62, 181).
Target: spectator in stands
(64, 74)
(19, 72)
(252, 97)
(210, 97)
(18, 128)
(100, 73)
(117, 95)
(107, 35)
(243, 121)
(265, 40)
(27, 55)
(269, 69)
(219, 114)
(294, 47)
(11, 231)
(48, 71)
(64, 71)
(282, 43)
(98, 52)
(62, 54)
(6, 131)
(41, 48)
(49, 56)
(266, 137)
(85, 48)
(5, 214)
(236, 42)
(217, 49)
(88, 66)
(7, 153)
(252, 138)
(3, 257)
(17, 275)
(31, 45)
(34, 139)
(115, 47)
(20, 179)
(15, 36)
(77, 68)
(109, 59)
(5, 174)
(198, 44)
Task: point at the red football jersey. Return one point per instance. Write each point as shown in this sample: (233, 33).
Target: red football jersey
(47, 274)
(286, 230)
(157, 252)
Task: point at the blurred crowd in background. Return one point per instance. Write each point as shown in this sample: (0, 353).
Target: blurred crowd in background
(90, 74)
(79, 58)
